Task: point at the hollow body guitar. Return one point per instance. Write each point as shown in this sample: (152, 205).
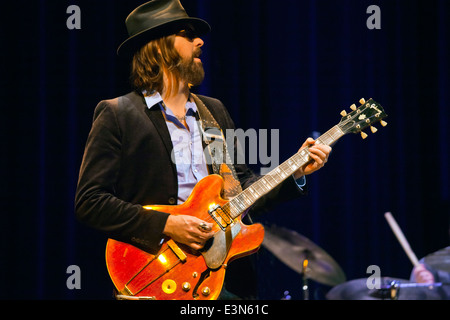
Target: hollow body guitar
(178, 272)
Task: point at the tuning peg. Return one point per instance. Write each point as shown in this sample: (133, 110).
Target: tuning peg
(373, 129)
(353, 107)
(362, 101)
(343, 113)
(383, 123)
(364, 135)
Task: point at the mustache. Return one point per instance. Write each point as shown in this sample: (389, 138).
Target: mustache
(197, 53)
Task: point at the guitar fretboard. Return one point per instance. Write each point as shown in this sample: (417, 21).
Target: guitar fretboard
(265, 184)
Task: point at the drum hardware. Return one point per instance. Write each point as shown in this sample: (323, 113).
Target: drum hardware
(390, 289)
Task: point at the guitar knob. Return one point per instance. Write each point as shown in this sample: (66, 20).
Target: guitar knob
(343, 113)
(383, 123)
(373, 129)
(186, 286)
(364, 135)
(353, 107)
(362, 101)
(206, 291)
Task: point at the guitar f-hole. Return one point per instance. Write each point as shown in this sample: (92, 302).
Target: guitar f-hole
(205, 274)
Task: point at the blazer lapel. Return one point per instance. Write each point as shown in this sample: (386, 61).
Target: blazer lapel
(157, 118)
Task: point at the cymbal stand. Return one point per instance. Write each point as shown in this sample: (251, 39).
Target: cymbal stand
(305, 287)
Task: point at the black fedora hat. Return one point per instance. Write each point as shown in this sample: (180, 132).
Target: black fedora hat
(155, 19)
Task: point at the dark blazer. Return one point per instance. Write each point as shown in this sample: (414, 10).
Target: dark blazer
(127, 164)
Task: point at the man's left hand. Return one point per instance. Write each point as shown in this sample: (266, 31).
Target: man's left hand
(319, 154)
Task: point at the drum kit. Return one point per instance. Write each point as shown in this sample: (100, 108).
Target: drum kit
(313, 263)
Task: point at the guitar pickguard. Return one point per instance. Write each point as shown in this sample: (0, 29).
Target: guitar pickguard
(217, 249)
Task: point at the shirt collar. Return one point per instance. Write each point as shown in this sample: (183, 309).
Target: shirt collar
(152, 100)
(155, 99)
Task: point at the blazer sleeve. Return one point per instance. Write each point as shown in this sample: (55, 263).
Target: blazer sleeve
(96, 203)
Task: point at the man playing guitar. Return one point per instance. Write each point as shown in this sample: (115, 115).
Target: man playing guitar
(147, 148)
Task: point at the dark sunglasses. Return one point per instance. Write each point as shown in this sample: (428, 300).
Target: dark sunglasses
(188, 33)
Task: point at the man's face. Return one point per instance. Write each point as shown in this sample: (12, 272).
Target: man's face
(188, 45)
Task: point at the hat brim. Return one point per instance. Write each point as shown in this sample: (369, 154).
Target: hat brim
(129, 47)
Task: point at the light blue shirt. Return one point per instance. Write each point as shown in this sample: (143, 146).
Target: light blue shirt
(187, 151)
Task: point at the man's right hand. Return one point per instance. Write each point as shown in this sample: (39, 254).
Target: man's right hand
(187, 230)
(422, 275)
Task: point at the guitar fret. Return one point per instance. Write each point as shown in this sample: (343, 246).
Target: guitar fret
(273, 179)
(281, 172)
(270, 184)
(298, 163)
(292, 164)
(250, 196)
(240, 204)
(330, 136)
(246, 199)
(304, 155)
(264, 184)
(234, 212)
(262, 188)
(254, 191)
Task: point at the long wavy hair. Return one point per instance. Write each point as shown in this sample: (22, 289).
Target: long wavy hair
(151, 62)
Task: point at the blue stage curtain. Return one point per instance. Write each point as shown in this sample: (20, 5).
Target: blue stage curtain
(287, 64)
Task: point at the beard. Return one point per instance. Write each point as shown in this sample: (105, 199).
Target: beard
(192, 71)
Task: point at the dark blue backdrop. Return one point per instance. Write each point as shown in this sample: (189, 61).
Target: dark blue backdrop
(289, 65)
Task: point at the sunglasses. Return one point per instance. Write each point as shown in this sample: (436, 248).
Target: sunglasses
(188, 33)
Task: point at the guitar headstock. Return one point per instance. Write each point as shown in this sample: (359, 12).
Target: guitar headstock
(367, 114)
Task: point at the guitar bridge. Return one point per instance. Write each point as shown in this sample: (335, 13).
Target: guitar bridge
(220, 216)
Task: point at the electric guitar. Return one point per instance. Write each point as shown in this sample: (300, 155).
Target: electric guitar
(178, 272)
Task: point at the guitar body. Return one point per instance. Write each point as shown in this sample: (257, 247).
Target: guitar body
(178, 272)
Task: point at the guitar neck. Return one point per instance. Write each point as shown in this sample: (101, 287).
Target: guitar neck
(265, 184)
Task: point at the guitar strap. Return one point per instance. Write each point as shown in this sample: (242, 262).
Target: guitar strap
(217, 155)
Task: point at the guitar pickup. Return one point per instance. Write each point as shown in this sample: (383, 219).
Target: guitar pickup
(221, 217)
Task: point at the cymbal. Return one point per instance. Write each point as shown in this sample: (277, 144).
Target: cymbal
(292, 249)
(439, 260)
(357, 290)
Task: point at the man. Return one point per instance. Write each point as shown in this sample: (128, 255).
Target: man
(138, 146)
